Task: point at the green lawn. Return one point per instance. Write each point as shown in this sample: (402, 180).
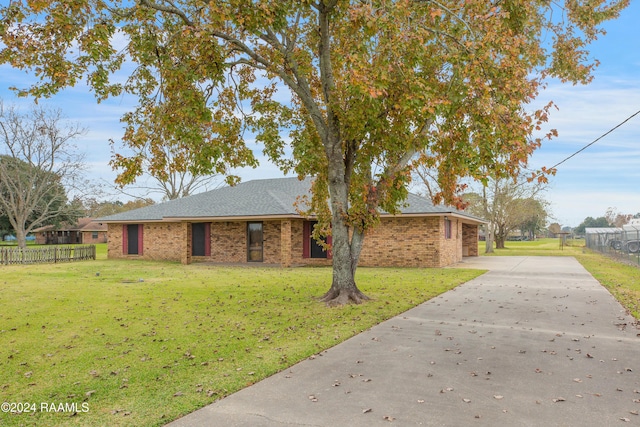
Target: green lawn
(542, 247)
(142, 343)
(622, 280)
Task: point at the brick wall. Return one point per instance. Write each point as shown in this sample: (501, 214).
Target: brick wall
(450, 249)
(409, 242)
(469, 240)
(87, 237)
(228, 241)
(161, 241)
(396, 242)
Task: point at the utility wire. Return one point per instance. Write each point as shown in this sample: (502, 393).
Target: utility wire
(596, 140)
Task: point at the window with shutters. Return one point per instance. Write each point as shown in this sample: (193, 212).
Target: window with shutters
(310, 247)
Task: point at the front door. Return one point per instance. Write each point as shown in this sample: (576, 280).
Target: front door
(254, 242)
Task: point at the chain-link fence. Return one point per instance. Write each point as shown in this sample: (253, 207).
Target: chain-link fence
(620, 243)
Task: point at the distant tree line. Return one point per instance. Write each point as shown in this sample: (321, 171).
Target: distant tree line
(612, 218)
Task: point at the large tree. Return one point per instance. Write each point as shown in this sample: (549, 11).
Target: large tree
(535, 220)
(37, 161)
(356, 89)
(171, 168)
(508, 205)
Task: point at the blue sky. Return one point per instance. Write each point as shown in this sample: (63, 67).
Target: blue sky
(605, 175)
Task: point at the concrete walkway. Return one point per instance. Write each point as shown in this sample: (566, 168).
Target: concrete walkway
(536, 341)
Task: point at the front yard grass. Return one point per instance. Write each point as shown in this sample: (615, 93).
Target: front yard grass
(142, 343)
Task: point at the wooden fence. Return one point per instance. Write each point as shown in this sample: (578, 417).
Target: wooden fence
(47, 254)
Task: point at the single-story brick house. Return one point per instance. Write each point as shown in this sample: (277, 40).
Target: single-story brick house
(257, 222)
(85, 230)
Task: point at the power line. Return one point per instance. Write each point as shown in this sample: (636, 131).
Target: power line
(596, 140)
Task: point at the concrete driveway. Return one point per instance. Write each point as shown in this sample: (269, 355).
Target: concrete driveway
(536, 341)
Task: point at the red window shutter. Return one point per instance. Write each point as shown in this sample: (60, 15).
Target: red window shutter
(140, 240)
(306, 239)
(125, 239)
(329, 252)
(207, 239)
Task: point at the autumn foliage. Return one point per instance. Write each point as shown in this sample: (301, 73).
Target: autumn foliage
(355, 93)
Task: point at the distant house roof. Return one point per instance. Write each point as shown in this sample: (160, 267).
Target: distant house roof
(602, 230)
(83, 224)
(257, 199)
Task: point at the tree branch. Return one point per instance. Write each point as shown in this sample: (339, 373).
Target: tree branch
(168, 9)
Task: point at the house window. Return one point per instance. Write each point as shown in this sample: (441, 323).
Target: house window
(255, 243)
(310, 247)
(132, 239)
(201, 239)
(94, 235)
(447, 228)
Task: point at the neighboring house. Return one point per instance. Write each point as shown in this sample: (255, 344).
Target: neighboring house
(257, 221)
(85, 230)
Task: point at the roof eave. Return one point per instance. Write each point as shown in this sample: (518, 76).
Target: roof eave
(206, 218)
(464, 218)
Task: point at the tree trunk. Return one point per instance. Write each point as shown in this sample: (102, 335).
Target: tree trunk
(345, 248)
(489, 238)
(499, 242)
(488, 245)
(21, 238)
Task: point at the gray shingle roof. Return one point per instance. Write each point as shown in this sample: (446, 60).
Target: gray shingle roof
(257, 198)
